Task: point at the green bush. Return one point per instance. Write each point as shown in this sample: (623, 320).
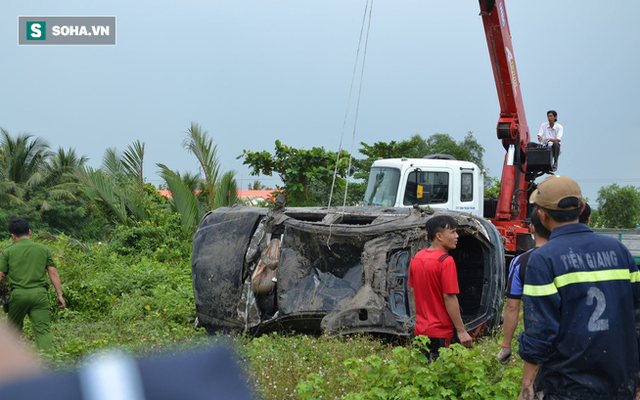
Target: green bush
(69, 217)
(161, 237)
(407, 374)
(92, 300)
(136, 300)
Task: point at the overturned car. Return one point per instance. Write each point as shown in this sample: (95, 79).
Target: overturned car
(333, 270)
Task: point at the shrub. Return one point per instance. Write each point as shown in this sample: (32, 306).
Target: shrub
(90, 299)
(161, 237)
(459, 373)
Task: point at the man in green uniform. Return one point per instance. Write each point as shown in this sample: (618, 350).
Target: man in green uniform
(27, 264)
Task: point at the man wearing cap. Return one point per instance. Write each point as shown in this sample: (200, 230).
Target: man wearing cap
(581, 306)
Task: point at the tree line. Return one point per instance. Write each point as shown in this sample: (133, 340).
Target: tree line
(60, 193)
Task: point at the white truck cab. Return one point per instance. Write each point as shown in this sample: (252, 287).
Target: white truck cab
(437, 181)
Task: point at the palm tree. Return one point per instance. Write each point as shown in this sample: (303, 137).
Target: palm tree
(42, 185)
(10, 194)
(22, 162)
(198, 144)
(193, 181)
(23, 158)
(184, 198)
(119, 185)
(99, 188)
(192, 196)
(227, 191)
(59, 178)
(132, 163)
(257, 185)
(62, 165)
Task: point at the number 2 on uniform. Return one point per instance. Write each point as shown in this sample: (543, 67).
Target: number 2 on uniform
(595, 323)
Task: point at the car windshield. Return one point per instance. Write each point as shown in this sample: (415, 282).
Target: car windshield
(382, 187)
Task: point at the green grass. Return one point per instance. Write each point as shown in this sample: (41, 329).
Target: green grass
(145, 306)
(279, 362)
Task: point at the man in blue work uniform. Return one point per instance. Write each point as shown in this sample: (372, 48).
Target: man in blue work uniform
(581, 306)
(515, 283)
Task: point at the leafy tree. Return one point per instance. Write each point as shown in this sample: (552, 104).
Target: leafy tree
(618, 207)
(492, 188)
(417, 147)
(321, 190)
(299, 169)
(308, 174)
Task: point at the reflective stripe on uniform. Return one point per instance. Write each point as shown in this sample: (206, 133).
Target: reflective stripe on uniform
(592, 276)
(539, 290)
(580, 277)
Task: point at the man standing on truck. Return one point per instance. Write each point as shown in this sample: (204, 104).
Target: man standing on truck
(27, 264)
(581, 306)
(515, 283)
(433, 282)
(550, 134)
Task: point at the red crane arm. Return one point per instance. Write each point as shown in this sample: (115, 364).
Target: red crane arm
(512, 126)
(513, 122)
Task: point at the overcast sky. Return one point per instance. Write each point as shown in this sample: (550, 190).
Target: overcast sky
(252, 72)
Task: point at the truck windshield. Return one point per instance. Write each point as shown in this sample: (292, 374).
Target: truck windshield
(382, 187)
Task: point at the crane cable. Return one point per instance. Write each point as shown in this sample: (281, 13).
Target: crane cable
(367, 10)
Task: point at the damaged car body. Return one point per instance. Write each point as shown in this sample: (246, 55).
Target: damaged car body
(333, 270)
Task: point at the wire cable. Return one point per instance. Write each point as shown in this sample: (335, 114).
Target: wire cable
(355, 123)
(367, 10)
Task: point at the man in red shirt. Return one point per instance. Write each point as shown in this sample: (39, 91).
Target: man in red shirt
(433, 282)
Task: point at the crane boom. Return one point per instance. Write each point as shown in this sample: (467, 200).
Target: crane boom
(512, 126)
(512, 129)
